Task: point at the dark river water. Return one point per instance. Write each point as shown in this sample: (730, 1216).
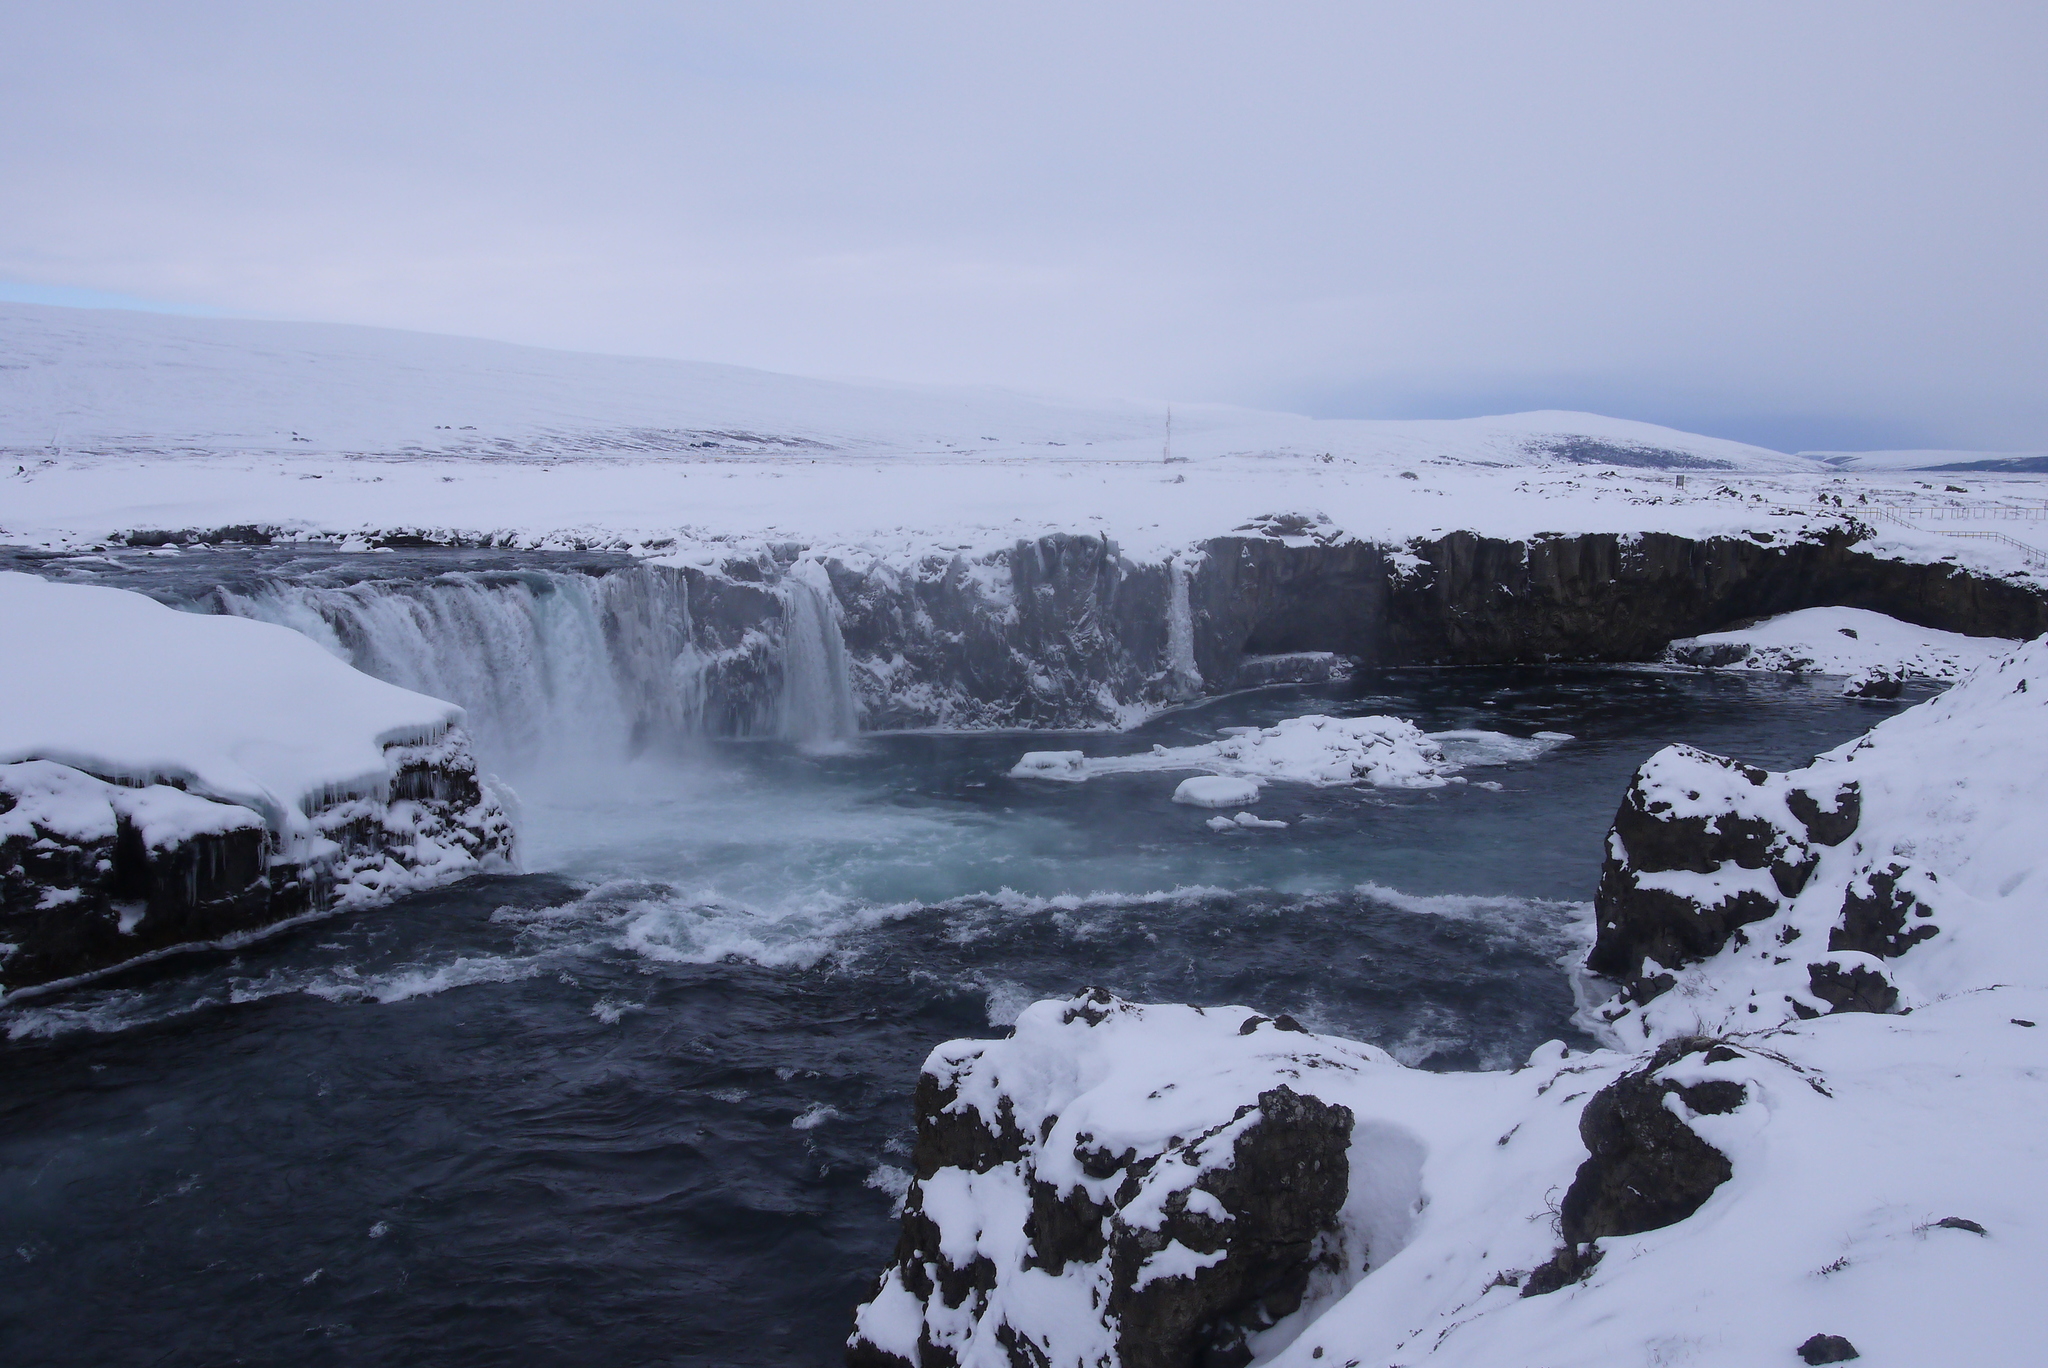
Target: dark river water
(650, 1104)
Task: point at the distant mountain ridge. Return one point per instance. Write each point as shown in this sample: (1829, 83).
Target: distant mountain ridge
(97, 382)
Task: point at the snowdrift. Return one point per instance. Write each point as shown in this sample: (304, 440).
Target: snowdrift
(1813, 1134)
(1840, 641)
(169, 778)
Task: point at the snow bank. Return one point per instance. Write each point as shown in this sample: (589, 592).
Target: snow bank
(170, 779)
(1840, 641)
(1385, 752)
(118, 685)
(1085, 1176)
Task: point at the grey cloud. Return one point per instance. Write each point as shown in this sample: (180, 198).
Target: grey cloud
(1824, 216)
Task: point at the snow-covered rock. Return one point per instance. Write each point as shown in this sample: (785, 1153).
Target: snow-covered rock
(1385, 752)
(1840, 641)
(1894, 871)
(172, 778)
(1816, 1131)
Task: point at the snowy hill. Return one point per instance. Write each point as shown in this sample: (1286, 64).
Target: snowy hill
(85, 382)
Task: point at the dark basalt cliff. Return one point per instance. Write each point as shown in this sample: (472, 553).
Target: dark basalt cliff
(1608, 596)
(1067, 631)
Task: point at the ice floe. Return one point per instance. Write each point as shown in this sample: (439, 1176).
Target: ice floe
(1322, 751)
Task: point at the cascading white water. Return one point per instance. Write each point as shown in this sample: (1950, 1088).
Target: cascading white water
(558, 668)
(1180, 626)
(550, 666)
(817, 706)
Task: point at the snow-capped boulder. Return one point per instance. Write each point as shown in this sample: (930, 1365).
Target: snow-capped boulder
(1068, 1211)
(1647, 1167)
(171, 778)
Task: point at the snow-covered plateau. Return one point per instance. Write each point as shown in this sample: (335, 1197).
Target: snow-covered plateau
(1815, 1132)
(169, 778)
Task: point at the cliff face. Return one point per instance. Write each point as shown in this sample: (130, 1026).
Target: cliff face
(1065, 631)
(1606, 596)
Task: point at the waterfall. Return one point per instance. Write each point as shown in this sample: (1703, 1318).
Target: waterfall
(1183, 674)
(559, 667)
(817, 703)
(551, 666)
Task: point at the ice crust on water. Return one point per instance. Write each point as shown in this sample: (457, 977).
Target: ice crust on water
(116, 684)
(1840, 641)
(1385, 752)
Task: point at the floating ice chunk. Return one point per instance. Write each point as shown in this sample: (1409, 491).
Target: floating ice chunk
(1384, 751)
(1216, 791)
(1494, 748)
(1243, 821)
(1070, 766)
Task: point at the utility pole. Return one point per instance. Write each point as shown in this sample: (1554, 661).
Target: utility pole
(1166, 456)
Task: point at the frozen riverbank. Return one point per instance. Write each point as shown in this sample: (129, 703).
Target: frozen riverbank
(1791, 1162)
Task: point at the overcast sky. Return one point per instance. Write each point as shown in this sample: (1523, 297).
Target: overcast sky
(1808, 225)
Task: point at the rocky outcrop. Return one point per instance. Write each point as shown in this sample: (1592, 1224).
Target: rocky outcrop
(1647, 1167)
(94, 874)
(1158, 1251)
(1704, 848)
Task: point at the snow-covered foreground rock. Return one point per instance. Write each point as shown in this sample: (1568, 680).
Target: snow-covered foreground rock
(1841, 641)
(169, 778)
(1385, 752)
(1817, 1130)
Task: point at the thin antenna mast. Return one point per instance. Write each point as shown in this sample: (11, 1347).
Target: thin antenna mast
(1167, 454)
